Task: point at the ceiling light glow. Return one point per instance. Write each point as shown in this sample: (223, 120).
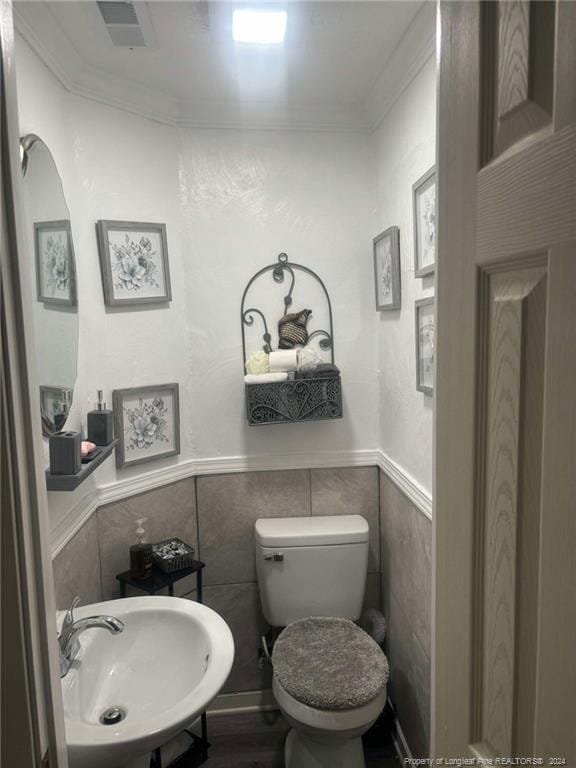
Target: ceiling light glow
(260, 27)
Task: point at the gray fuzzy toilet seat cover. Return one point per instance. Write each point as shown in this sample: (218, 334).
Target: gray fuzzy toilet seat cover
(329, 663)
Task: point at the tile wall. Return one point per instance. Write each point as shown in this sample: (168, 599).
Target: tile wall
(406, 576)
(216, 514)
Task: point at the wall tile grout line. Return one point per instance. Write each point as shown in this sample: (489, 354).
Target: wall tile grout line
(99, 555)
(197, 506)
(379, 471)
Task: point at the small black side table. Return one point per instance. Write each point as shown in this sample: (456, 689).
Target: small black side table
(159, 580)
(197, 754)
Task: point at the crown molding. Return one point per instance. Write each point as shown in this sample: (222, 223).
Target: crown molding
(413, 51)
(37, 25)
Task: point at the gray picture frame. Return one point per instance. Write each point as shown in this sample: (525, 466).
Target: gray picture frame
(393, 235)
(420, 186)
(144, 394)
(40, 228)
(421, 385)
(108, 261)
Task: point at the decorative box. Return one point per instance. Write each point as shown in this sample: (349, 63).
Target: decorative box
(313, 395)
(298, 400)
(172, 555)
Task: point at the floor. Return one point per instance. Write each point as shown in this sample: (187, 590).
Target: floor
(257, 741)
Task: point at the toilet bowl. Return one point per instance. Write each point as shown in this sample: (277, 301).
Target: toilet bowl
(329, 675)
(325, 738)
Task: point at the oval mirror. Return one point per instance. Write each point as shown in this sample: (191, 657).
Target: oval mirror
(51, 255)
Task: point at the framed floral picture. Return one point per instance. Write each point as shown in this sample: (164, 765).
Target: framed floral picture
(55, 268)
(387, 269)
(424, 202)
(146, 423)
(134, 263)
(425, 345)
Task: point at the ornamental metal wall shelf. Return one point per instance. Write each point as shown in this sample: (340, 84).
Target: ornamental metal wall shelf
(300, 399)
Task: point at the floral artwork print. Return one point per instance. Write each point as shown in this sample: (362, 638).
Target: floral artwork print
(429, 218)
(427, 353)
(56, 263)
(425, 213)
(134, 264)
(385, 271)
(146, 424)
(426, 343)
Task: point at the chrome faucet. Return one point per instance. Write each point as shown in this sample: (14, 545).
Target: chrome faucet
(68, 637)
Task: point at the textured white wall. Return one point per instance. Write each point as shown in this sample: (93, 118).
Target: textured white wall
(232, 201)
(405, 149)
(245, 198)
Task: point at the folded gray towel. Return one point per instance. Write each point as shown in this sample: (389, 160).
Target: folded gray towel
(322, 371)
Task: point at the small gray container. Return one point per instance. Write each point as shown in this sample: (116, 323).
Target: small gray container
(172, 555)
(65, 453)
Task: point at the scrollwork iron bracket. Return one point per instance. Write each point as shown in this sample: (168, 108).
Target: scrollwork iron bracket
(280, 269)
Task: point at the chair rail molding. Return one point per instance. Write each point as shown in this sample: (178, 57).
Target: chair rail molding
(98, 496)
(418, 495)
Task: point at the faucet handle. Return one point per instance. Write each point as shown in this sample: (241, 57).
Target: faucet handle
(69, 617)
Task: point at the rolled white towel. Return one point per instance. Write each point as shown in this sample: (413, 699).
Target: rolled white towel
(283, 360)
(265, 378)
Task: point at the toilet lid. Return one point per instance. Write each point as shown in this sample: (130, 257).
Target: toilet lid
(329, 663)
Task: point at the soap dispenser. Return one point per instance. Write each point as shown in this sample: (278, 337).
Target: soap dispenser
(140, 554)
(101, 423)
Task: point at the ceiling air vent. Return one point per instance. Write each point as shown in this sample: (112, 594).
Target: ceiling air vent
(122, 23)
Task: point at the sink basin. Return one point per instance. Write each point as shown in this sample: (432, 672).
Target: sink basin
(161, 672)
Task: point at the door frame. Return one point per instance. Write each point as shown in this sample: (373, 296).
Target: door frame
(32, 615)
(452, 532)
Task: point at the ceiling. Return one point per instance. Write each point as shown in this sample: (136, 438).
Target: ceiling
(337, 61)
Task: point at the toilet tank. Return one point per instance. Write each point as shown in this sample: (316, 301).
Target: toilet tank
(311, 566)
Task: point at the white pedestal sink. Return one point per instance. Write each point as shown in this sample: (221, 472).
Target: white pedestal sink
(162, 671)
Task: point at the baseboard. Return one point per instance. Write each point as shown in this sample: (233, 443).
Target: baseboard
(242, 703)
(264, 701)
(398, 738)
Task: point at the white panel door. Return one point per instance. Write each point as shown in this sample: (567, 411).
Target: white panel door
(504, 680)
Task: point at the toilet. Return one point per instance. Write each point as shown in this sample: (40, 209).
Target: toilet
(329, 675)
